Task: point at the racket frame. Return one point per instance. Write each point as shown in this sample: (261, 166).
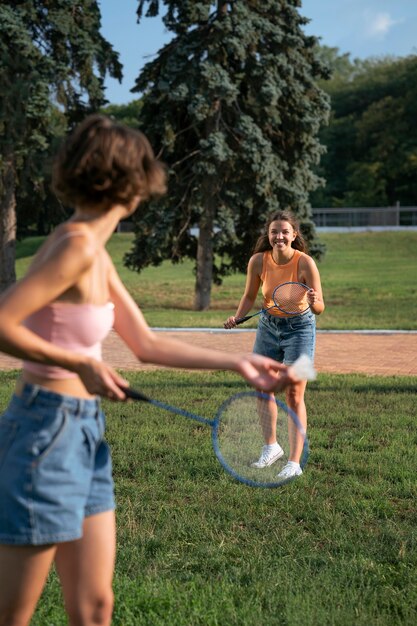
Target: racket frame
(290, 282)
(215, 423)
(240, 320)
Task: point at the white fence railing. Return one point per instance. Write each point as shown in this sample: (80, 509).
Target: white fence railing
(366, 216)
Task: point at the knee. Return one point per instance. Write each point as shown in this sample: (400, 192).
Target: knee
(294, 396)
(102, 608)
(97, 609)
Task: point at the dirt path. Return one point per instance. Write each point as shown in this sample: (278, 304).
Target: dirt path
(382, 354)
(375, 354)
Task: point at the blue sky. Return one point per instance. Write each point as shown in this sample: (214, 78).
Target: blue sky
(364, 28)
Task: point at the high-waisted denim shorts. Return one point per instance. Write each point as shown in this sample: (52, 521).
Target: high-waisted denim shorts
(286, 338)
(55, 467)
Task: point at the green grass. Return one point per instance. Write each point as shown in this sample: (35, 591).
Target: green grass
(336, 547)
(368, 281)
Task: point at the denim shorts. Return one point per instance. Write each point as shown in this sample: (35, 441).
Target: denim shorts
(286, 338)
(55, 467)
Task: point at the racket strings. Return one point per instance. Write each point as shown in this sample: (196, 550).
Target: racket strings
(246, 426)
(291, 298)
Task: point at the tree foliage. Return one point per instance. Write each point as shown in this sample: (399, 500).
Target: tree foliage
(371, 139)
(53, 59)
(233, 106)
(128, 114)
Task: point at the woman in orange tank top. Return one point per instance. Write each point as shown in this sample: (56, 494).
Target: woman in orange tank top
(56, 488)
(280, 256)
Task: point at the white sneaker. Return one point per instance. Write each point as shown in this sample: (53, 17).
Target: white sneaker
(269, 454)
(290, 470)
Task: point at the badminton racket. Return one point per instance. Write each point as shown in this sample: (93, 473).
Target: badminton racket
(289, 297)
(240, 428)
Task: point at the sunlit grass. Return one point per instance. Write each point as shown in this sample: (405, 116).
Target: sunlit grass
(368, 281)
(337, 546)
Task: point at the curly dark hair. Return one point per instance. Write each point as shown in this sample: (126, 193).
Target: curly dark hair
(299, 243)
(103, 163)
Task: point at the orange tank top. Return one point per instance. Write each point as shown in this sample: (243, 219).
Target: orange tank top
(274, 275)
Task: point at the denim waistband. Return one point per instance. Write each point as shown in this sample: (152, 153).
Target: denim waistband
(44, 397)
(286, 320)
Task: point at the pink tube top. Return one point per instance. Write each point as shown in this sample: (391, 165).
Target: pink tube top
(80, 328)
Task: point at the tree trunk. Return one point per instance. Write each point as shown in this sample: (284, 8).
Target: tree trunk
(205, 257)
(206, 225)
(7, 225)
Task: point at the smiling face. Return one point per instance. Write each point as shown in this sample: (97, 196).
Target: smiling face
(281, 235)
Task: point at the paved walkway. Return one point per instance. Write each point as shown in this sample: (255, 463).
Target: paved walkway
(385, 354)
(382, 354)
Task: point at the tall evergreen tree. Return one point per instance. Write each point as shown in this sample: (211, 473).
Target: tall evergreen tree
(51, 54)
(233, 104)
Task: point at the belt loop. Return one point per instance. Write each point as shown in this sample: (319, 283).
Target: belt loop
(97, 413)
(32, 395)
(100, 420)
(79, 407)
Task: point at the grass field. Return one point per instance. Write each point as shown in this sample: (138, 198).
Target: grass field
(337, 547)
(369, 282)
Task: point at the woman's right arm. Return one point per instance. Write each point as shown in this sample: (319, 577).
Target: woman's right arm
(253, 282)
(43, 284)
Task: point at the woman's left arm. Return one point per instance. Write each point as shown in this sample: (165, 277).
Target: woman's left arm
(310, 276)
(151, 347)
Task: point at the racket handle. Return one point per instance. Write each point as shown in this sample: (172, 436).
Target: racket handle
(242, 319)
(134, 394)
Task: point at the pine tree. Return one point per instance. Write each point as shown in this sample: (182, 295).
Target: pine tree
(233, 104)
(51, 55)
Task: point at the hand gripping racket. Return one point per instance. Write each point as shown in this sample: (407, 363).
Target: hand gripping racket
(290, 298)
(240, 427)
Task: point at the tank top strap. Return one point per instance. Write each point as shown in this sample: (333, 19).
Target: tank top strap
(54, 246)
(296, 259)
(265, 257)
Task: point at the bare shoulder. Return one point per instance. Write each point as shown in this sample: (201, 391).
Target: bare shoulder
(307, 262)
(69, 243)
(255, 262)
(78, 236)
(308, 270)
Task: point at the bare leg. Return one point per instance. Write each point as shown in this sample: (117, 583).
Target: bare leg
(86, 568)
(295, 401)
(23, 573)
(267, 410)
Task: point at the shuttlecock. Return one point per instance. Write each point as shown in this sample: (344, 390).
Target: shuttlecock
(303, 368)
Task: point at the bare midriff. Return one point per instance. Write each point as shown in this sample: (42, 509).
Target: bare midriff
(64, 386)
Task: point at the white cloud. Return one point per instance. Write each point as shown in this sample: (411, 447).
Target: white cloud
(379, 24)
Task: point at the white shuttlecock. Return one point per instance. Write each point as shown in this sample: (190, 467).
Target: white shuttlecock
(303, 368)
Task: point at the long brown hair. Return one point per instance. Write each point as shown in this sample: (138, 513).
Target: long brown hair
(299, 243)
(104, 163)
